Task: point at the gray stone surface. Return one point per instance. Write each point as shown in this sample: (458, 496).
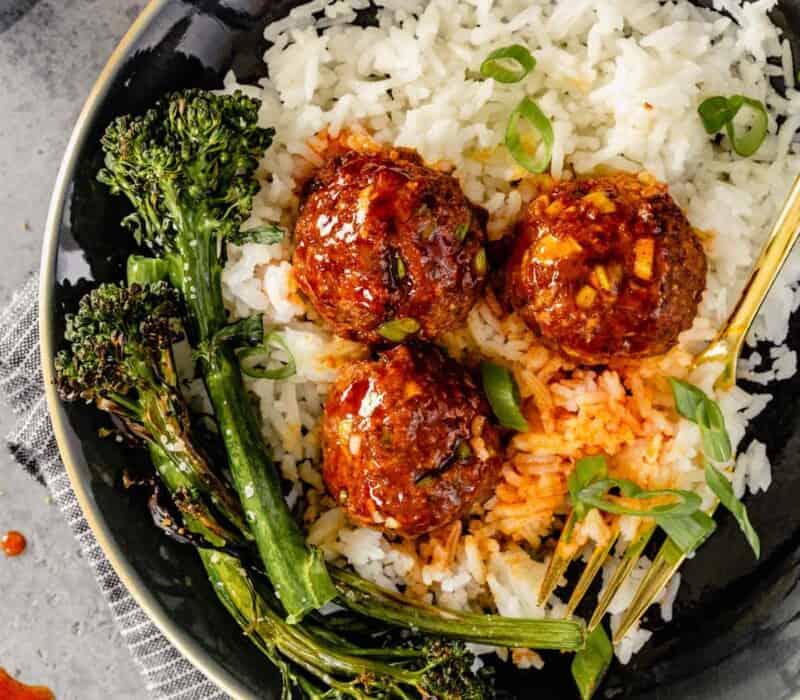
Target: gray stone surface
(55, 628)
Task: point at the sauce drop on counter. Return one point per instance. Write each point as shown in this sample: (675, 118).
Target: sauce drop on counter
(11, 689)
(13, 544)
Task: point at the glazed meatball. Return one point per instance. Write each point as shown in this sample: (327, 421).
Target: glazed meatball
(407, 442)
(606, 268)
(387, 248)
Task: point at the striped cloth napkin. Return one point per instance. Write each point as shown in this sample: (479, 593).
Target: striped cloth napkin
(167, 674)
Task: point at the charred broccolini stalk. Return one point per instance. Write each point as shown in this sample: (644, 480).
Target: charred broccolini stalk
(187, 165)
(319, 663)
(119, 358)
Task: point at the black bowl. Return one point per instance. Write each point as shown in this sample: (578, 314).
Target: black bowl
(735, 628)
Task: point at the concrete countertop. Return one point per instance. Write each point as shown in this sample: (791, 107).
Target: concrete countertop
(55, 627)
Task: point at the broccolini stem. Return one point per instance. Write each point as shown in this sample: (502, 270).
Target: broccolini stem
(164, 415)
(371, 600)
(188, 166)
(318, 658)
(197, 271)
(327, 658)
(298, 572)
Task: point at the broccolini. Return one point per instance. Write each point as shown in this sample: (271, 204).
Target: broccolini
(118, 356)
(188, 168)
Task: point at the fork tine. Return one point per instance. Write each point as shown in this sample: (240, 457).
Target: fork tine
(563, 555)
(632, 553)
(667, 562)
(599, 555)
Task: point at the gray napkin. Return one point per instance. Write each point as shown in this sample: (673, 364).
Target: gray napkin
(167, 674)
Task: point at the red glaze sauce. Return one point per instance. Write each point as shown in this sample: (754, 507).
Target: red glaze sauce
(11, 689)
(13, 544)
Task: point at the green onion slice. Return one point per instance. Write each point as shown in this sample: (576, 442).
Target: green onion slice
(715, 113)
(529, 110)
(716, 441)
(463, 451)
(266, 235)
(503, 395)
(682, 520)
(687, 532)
(591, 663)
(495, 65)
(596, 496)
(718, 112)
(258, 362)
(750, 141)
(589, 485)
(687, 397)
(694, 405)
(401, 268)
(462, 231)
(246, 331)
(398, 329)
(719, 484)
(588, 470)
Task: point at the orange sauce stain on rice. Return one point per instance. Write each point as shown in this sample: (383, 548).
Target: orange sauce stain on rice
(11, 689)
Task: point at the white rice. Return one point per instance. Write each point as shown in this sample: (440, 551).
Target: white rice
(621, 81)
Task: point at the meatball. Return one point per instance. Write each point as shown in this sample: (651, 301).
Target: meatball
(387, 248)
(607, 267)
(407, 443)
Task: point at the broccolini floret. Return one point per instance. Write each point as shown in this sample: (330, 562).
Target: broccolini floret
(119, 357)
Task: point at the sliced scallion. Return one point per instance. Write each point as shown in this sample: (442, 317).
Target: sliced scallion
(596, 496)
(245, 331)
(503, 395)
(495, 66)
(259, 363)
(589, 486)
(398, 329)
(401, 268)
(268, 234)
(591, 663)
(717, 112)
(693, 404)
(687, 532)
(462, 231)
(716, 442)
(530, 112)
(721, 486)
(750, 141)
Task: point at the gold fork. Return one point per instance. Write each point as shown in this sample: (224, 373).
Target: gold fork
(725, 349)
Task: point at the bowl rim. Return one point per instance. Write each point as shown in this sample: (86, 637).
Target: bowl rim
(179, 638)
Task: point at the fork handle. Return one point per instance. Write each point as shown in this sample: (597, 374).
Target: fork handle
(784, 234)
